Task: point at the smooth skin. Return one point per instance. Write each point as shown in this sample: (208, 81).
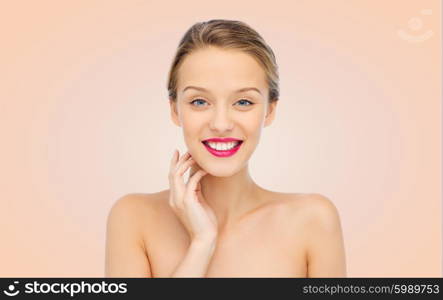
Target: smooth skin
(188, 203)
(219, 222)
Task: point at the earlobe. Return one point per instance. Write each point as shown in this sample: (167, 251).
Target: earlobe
(174, 114)
(270, 114)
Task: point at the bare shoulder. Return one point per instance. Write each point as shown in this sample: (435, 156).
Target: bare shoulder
(136, 207)
(127, 220)
(321, 211)
(322, 233)
(312, 209)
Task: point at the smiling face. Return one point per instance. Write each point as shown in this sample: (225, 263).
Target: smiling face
(211, 104)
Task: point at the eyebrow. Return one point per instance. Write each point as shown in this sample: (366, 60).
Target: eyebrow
(205, 90)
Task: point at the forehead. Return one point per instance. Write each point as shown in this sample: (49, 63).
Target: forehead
(217, 68)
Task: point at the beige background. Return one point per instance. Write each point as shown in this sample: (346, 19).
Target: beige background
(84, 120)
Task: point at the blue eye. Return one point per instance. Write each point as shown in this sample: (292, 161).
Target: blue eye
(245, 101)
(198, 100)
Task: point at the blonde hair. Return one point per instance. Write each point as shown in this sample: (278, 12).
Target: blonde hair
(226, 34)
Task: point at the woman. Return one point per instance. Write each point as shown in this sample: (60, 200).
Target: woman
(223, 89)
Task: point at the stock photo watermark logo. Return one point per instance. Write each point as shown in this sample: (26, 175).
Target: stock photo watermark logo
(415, 32)
(11, 290)
(67, 288)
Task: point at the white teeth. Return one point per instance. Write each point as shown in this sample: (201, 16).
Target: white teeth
(222, 146)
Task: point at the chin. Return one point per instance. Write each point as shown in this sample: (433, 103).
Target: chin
(225, 170)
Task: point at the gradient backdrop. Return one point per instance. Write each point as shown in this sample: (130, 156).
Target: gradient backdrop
(84, 120)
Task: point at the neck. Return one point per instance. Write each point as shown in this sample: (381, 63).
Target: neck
(230, 197)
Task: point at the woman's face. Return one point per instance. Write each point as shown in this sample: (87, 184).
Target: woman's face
(216, 108)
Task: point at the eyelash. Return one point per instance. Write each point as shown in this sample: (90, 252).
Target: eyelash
(250, 103)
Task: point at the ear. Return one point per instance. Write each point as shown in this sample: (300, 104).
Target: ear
(270, 115)
(174, 112)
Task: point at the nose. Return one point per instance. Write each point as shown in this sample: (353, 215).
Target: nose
(221, 121)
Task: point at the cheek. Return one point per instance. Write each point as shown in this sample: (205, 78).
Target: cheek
(191, 126)
(252, 124)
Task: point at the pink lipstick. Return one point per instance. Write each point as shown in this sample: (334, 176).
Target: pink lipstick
(225, 150)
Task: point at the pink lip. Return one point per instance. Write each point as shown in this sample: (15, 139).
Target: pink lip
(221, 140)
(222, 153)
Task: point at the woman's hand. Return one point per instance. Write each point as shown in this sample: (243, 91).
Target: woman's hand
(187, 201)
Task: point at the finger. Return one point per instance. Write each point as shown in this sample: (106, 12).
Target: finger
(196, 168)
(171, 202)
(173, 160)
(182, 159)
(191, 186)
(176, 176)
(185, 166)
